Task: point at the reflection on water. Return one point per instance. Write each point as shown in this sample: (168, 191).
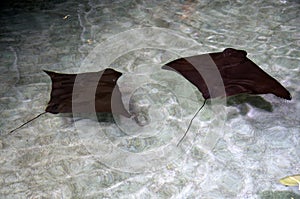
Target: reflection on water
(57, 156)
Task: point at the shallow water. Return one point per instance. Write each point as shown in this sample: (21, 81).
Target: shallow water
(239, 150)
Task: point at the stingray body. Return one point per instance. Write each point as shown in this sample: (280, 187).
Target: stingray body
(224, 74)
(238, 74)
(86, 93)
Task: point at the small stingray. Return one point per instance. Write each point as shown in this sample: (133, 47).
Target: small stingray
(226, 73)
(74, 93)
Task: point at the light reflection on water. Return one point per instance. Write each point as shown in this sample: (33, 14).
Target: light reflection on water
(50, 158)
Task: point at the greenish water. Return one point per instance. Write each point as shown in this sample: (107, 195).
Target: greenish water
(238, 150)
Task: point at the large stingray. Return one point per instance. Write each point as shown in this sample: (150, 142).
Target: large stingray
(226, 73)
(238, 74)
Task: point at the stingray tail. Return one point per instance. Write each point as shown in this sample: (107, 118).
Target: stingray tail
(190, 124)
(27, 122)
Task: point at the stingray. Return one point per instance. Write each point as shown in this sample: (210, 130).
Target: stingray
(74, 93)
(224, 74)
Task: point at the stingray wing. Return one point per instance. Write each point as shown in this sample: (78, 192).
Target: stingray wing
(77, 92)
(238, 75)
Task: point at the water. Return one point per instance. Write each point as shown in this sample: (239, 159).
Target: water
(235, 151)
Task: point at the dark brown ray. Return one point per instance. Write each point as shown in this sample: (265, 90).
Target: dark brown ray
(84, 93)
(238, 75)
(226, 73)
(77, 92)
